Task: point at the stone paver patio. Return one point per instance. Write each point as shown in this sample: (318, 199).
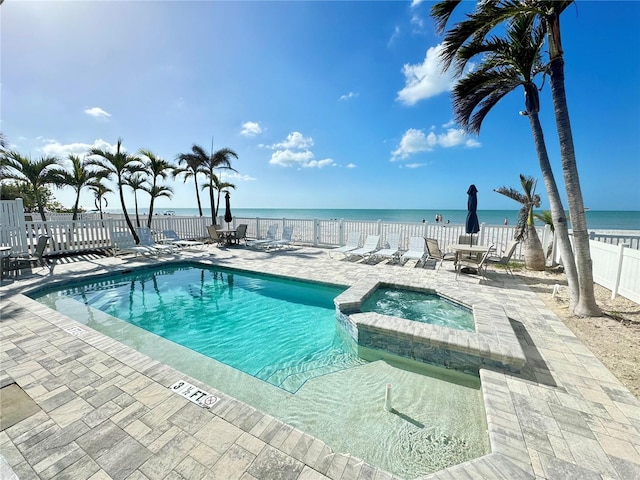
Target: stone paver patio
(105, 410)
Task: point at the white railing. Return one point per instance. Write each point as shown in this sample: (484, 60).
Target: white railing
(616, 265)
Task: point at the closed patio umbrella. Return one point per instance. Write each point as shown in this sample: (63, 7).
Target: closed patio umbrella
(227, 209)
(472, 225)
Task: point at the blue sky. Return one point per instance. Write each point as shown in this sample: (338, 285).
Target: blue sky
(328, 104)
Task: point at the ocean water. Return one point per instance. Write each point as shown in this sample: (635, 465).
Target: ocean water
(596, 220)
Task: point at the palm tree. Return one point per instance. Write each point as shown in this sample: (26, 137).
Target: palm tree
(219, 185)
(190, 170)
(120, 164)
(78, 178)
(156, 168)
(534, 257)
(37, 175)
(506, 64)
(99, 191)
(488, 15)
(136, 181)
(207, 164)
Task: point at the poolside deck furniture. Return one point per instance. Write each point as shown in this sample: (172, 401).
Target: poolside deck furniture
(286, 240)
(18, 261)
(434, 252)
(473, 261)
(124, 243)
(353, 242)
(416, 251)
(146, 240)
(170, 236)
(241, 234)
(391, 250)
(505, 258)
(214, 236)
(271, 237)
(369, 247)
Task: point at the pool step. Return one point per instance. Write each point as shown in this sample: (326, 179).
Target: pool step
(292, 377)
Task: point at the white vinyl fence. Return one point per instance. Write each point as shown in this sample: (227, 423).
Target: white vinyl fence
(617, 268)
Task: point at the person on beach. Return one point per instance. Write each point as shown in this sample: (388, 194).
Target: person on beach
(506, 221)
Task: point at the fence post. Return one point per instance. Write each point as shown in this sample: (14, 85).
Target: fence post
(316, 232)
(616, 283)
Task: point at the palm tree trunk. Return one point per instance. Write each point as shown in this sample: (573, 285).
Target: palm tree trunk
(586, 302)
(533, 254)
(557, 211)
(75, 207)
(213, 203)
(126, 215)
(195, 180)
(135, 201)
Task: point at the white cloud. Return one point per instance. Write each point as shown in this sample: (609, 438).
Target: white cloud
(97, 112)
(417, 22)
(425, 79)
(289, 158)
(414, 165)
(327, 162)
(348, 96)
(294, 140)
(449, 124)
(415, 3)
(234, 176)
(53, 147)
(416, 141)
(394, 35)
(250, 129)
(352, 165)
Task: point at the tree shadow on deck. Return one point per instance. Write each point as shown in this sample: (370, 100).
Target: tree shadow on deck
(536, 369)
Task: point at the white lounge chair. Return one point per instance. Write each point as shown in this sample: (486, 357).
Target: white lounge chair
(123, 243)
(369, 247)
(353, 242)
(287, 238)
(171, 236)
(416, 251)
(392, 248)
(147, 240)
(265, 242)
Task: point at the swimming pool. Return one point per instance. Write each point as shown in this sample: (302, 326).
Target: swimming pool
(438, 418)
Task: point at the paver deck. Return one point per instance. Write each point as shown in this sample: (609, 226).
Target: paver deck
(105, 410)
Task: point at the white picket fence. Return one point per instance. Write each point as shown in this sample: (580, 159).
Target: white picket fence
(616, 264)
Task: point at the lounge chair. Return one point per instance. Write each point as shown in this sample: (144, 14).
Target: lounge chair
(505, 258)
(434, 252)
(147, 240)
(241, 234)
(270, 238)
(353, 242)
(287, 238)
(369, 247)
(416, 251)
(25, 259)
(392, 248)
(170, 236)
(123, 243)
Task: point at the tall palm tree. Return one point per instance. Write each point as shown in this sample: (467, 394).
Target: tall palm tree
(506, 64)
(534, 257)
(119, 164)
(78, 178)
(157, 168)
(207, 164)
(219, 185)
(488, 15)
(190, 169)
(99, 193)
(38, 175)
(136, 181)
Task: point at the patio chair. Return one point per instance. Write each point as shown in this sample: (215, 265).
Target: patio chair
(270, 238)
(214, 236)
(147, 240)
(473, 262)
(23, 260)
(505, 258)
(434, 252)
(286, 240)
(369, 247)
(416, 251)
(171, 236)
(391, 250)
(353, 242)
(241, 234)
(123, 243)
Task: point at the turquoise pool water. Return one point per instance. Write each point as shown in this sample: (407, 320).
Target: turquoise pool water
(276, 344)
(419, 307)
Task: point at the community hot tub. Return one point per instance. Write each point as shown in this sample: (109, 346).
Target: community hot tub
(492, 343)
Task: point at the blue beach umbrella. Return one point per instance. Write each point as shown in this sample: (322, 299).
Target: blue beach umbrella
(472, 225)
